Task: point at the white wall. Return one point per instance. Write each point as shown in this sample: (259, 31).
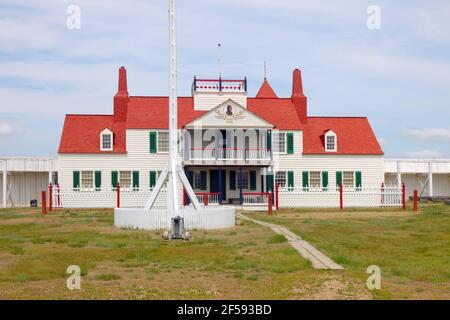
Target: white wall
(25, 186)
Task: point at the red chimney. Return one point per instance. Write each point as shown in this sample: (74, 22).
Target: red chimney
(298, 98)
(121, 98)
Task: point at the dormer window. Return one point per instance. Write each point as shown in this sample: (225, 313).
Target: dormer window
(106, 140)
(330, 141)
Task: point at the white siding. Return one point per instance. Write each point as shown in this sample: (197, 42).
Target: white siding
(25, 186)
(210, 100)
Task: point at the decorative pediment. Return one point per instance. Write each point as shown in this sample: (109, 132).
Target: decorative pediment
(229, 114)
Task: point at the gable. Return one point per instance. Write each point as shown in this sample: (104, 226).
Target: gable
(229, 114)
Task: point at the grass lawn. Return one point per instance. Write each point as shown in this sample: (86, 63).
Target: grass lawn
(246, 262)
(413, 251)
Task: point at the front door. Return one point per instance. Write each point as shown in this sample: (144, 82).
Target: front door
(214, 183)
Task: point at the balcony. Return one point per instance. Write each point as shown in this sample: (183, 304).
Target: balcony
(229, 156)
(219, 85)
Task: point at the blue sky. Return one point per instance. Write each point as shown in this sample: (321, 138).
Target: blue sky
(398, 76)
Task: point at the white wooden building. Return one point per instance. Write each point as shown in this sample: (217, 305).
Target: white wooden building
(430, 177)
(23, 179)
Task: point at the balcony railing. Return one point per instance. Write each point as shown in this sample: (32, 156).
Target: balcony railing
(232, 154)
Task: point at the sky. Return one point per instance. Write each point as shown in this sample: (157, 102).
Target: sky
(398, 75)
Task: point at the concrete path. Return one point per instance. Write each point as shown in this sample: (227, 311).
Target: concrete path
(306, 250)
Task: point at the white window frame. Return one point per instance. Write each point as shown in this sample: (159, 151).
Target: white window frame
(90, 187)
(104, 133)
(330, 134)
(276, 145)
(119, 179)
(277, 179)
(157, 141)
(311, 187)
(353, 179)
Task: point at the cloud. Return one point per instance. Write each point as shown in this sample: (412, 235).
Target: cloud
(9, 128)
(428, 134)
(425, 154)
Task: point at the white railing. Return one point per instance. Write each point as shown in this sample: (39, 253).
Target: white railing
(230, 154)
(255, 199)
(363, 197)
(212, 198)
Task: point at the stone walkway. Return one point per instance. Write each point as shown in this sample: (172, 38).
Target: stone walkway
(318, 259)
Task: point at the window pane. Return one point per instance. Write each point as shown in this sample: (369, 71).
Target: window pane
(330, 142)
(280, 179)
(279, 142)
(348, 179)
(197, 181)
(245, 180)
(163, 141)
(106, 141)
(314, 177)
(87, 179)
(125, 179)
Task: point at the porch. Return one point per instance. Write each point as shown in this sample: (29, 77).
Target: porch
(245, 187)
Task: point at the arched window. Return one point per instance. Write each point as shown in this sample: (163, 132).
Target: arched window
(106, 140)
(330, 141)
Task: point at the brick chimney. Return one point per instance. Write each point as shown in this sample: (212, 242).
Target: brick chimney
(298, 98)
(121, 98)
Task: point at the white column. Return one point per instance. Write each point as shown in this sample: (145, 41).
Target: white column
(4, 187)
(50, 176)
(399, 175)
(430, 180)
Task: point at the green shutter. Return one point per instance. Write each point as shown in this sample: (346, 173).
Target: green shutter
(290, 178)
(269, 179)
(269, 139)
(232, 180)
(290, 143)
(152, 179)
(252, 180)
(338, 179)
(325, 180)
(203, 185)
(114, 179)
(55, 179)
(135, 180)
(153, 142)
(98, 180)
(76, 180)
(358, 175)
(305, 178)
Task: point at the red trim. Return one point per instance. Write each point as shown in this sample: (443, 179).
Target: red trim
(255, 193)
(403, 196)
(50, 197)
(416, 200)
(44, 202)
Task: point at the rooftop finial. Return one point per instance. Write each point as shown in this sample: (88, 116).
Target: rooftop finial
(265, 70)
(219, 47)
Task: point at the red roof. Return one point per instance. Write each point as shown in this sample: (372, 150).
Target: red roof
(266, 91)
(81, 134)
(354, 136)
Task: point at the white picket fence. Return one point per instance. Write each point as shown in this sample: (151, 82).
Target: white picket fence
(365, 197)
(298, 197)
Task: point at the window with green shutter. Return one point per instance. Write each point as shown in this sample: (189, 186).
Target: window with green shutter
(76, 180)
(135, 180)
(203, 184)
(338, 179)
(358, 178)
(252, 180)
(114, 179)
(290, 182)
(305, 180)
(232, 180)
(153, 142)
(325, 180)
(290, 142)
(152, 179)
(98, 180)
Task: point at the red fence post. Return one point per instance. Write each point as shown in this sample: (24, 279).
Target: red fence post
(270, 203)
(184, 197)
(416, 199)
(118, 195)
(44, 202)
(403, 196)
(59, 195)
(341, 196)
(50, 197)
(205, 199)
(276, 196)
